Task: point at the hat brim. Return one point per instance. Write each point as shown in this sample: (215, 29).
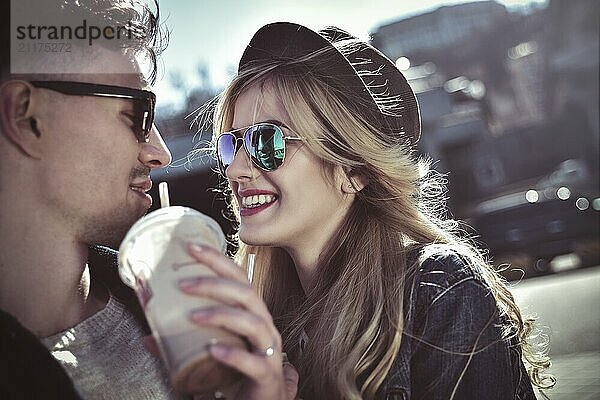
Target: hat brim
(288, 42)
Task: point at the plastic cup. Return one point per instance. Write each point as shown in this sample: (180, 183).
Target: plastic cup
(153, 258)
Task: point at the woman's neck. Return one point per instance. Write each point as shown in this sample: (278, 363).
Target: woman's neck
(305, 263)
(307, 249)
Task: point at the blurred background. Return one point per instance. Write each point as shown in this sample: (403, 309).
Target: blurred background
(508, 92)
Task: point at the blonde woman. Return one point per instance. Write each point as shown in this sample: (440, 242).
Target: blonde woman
(369, 293)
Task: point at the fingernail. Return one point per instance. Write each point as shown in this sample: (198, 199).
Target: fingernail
(196, 247)
(200, 315)
(188, 283)
(218, 350)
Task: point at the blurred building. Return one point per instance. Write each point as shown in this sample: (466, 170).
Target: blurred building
(509, 103)
(526, 67)
(572, 81)
(446, 26)
(474, 40)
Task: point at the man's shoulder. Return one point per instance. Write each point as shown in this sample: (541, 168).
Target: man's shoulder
(27, 368)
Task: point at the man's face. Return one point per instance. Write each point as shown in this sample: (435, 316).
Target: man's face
(94, 173)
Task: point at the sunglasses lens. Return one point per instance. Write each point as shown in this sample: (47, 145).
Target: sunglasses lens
(150, 121)
(144, 115)
(266, 146)
(225, 151)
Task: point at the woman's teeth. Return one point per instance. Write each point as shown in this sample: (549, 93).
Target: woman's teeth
(257, 200)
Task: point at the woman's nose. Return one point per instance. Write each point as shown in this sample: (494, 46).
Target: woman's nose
(241, 168)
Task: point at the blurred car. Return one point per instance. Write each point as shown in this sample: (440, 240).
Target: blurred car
(544, 228)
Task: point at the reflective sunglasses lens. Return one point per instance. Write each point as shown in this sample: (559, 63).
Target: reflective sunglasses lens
(225, 151)
(144, 118)
(266, 146)
(150, 120)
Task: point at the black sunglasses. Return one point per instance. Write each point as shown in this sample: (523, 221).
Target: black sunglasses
(264, 143)
(144, 101)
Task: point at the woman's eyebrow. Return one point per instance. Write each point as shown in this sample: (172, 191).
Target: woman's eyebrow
(268, 121)
(276, 122)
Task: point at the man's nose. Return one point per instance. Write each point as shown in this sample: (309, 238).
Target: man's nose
(155, 153)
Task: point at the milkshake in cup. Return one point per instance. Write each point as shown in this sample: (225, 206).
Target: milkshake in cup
(153, 258)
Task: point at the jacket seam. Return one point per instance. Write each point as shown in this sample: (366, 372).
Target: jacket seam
(455, 284)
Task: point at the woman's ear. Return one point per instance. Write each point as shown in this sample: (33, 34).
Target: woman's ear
(18, 123)
(353, 182)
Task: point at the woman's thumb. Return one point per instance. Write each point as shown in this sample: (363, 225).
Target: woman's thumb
(291, 377)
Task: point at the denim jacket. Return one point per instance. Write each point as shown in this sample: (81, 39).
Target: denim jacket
(452, 345)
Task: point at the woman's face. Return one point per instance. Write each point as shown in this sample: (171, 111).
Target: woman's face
(301, 204)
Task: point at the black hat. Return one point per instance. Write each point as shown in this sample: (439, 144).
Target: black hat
(355, 67)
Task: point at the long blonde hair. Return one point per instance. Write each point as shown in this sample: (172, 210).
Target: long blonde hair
(356, 304)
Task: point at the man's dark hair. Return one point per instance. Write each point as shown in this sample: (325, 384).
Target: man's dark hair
(148, 36)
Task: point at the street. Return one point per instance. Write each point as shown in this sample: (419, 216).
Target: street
(566, 305)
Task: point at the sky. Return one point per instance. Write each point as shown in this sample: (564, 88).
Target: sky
(215, 33)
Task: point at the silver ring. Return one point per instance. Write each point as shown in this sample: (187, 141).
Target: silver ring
(266, 353)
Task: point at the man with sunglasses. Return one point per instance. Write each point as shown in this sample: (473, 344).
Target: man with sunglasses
(76, 151)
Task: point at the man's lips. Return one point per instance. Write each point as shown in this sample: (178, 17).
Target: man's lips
(141, 186)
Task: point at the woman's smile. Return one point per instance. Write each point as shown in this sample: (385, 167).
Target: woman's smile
(253, 201)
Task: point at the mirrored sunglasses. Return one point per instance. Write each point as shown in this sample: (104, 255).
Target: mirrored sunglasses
(264, 143)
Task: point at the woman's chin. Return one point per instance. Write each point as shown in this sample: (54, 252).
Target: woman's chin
(250, 238)
(255, 238)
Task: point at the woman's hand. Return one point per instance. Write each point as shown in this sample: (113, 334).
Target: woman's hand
(243, 313)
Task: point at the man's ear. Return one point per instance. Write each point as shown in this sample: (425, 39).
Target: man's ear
(18, 123)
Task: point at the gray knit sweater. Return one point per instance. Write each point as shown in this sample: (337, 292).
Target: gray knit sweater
(105, 357)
